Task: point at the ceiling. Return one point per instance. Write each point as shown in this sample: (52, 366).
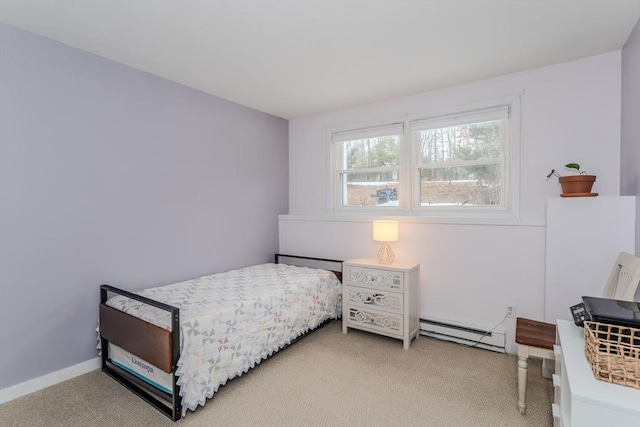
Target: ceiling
(294, 58)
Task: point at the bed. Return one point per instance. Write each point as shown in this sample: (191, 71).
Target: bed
(175, 345)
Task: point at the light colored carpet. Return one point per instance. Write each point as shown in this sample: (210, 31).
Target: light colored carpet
(326, 379)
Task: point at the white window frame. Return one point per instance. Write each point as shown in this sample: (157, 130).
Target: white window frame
(337, 137)
(498, 113)
(409, 175)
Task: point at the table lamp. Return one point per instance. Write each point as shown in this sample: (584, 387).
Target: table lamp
(385, 232)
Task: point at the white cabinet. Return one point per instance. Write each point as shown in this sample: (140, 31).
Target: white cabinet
(381, 298)
(580, 400)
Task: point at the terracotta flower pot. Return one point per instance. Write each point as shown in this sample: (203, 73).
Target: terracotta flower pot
(577, 185)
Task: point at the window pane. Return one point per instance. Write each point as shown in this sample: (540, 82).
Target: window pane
(460, 186)
(459, 143)
(370, 189)
(371, 152)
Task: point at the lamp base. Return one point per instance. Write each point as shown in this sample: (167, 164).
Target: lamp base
(385, 254)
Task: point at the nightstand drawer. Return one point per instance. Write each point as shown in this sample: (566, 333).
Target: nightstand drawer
(374, 320)
(376, 299)
(373, 278)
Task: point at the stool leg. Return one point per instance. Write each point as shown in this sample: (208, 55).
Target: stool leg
(522, 383)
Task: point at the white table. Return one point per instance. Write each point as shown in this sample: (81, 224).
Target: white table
(580, 399)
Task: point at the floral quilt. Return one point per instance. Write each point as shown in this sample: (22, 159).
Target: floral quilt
(229, 322)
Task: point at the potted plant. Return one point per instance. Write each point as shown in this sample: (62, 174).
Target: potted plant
(575, 185)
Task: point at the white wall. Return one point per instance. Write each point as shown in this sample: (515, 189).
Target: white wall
(569, 112)
(630, 135)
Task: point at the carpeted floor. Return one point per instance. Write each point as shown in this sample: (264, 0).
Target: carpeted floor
(326, 379)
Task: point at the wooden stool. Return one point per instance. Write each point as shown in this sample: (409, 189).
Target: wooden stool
(534, 339)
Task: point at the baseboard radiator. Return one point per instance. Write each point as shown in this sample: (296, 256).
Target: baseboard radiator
(476, 336)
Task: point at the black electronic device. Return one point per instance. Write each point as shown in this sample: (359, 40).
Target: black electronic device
(606, 310)
(579, 314)
(611, 311)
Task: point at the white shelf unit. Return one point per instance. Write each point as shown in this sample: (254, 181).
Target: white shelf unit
(580, 400)
(381, 298)
(584, 235)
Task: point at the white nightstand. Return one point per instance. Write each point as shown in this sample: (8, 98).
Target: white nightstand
(381, 298)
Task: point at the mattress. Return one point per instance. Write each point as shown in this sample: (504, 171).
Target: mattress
(141, 369)
(231, 321)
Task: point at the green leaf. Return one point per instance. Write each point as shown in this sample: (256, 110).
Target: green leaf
(572, 166)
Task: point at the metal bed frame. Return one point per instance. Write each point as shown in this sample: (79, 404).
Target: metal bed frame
(168, 404)
(157, 398)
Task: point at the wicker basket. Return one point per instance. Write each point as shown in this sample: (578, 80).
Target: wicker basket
(613, 352)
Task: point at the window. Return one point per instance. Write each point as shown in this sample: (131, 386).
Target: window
(460, 160)
(463, 163)
(367, 172)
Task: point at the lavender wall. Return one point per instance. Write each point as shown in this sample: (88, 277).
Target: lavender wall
(111, 175)
(630, 134)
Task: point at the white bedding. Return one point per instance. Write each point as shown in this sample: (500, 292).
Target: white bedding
(231, 321)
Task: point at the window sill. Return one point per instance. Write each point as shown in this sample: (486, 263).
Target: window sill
(414, 219)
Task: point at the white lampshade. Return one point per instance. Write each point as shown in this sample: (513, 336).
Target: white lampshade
(385, 231)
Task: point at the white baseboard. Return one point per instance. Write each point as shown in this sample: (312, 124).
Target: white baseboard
(28, 387)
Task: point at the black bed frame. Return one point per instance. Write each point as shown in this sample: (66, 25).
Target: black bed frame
(171, 405)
